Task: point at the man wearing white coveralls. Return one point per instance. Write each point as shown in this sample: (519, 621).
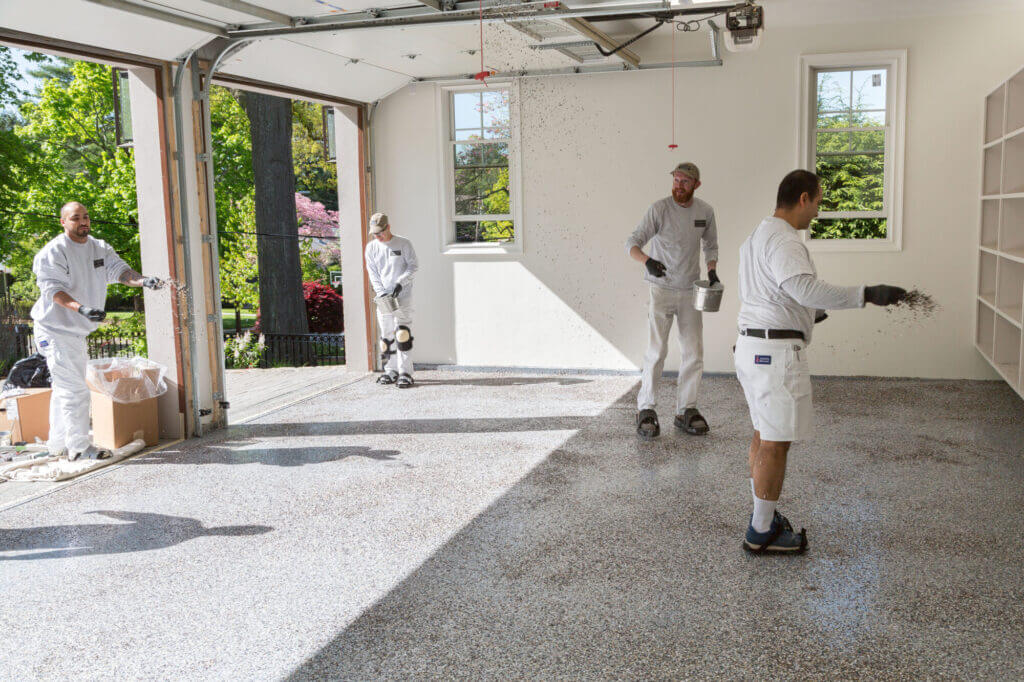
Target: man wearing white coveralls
(391, 263)
(72, 272)
(675, 229)
(781, 299)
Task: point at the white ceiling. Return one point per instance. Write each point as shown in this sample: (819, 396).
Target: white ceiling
(322, 62)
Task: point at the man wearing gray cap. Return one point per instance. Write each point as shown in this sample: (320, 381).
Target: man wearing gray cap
(675, 230)
(391, 263)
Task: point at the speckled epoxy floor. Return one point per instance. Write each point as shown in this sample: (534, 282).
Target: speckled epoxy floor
(499, 526)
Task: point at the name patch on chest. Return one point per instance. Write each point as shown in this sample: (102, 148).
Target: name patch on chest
(396, 253)
(762, 359)
(700, 223)
(98, 263)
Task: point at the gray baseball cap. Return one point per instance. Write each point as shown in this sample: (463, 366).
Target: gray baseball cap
(687, 168)
(378, 223)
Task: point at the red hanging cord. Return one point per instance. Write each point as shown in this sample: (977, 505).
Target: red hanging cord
(673, 145)
(483, 73)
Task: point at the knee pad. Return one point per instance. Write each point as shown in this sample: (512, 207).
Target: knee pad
(385, 347)
(404, 337)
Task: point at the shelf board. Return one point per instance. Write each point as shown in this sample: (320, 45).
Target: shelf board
(1014, 195)
(1015, 133)
(990, 249)
(1007, 313)
(993, 143)
(1012, 254)
(984, 354)
(988, 299)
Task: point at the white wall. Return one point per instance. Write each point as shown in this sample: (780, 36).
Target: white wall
(595, 155)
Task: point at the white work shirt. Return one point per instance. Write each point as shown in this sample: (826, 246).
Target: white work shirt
(676, 234)
(83, 272)
(390, 263)
(773, 254)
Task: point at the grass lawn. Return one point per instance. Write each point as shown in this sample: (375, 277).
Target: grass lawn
(227, 315)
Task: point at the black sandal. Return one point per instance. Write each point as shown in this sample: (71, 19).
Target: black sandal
(649, 419)
(405, 380)
(692, 422)
(387, 378)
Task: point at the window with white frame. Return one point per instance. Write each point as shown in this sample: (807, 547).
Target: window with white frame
(852, 135)
(480, 192)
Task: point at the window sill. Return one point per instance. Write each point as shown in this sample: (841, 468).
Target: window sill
(851, 245)
(482, 249)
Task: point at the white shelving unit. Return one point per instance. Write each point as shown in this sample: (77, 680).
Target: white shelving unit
(1000, 305)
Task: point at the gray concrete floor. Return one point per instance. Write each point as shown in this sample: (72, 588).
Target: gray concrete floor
(492, 526)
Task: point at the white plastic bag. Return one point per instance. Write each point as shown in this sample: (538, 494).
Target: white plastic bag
(126, 380)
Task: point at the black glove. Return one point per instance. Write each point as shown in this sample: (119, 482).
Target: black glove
(94, 314)
(397, 290)
(153, 283)
(713, 277)
(656, 268)
(883, 294)
(820, 316)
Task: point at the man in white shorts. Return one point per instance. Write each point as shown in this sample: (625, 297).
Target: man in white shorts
(781, 299)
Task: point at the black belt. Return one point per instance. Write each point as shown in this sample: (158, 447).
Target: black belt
(773, 333)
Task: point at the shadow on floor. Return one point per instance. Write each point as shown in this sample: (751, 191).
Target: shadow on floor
(615, 559)
(141, 531)
(235, 452)
(503, 381)
(385, 427)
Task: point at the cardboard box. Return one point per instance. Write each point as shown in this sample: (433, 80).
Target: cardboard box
(27, 416)
(114, 424)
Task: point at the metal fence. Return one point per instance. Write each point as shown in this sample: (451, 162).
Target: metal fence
(300, 350)
(281, 350)
(99, 347)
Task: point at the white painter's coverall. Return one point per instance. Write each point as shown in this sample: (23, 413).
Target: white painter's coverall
(82, 271)
(676, 235)
(388, 264)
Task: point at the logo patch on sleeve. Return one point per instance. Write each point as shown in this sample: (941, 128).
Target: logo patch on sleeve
(762, 359)
(700, 223)
(98, 263)
(396, 253)
(44, 343)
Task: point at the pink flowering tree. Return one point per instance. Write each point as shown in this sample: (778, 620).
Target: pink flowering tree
(324, 250)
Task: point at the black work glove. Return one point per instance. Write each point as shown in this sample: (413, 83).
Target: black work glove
(883, 294)
(94, 314)
(656, 268)
(397, 290)
(820, 316)
(153, 283)
(713, 277)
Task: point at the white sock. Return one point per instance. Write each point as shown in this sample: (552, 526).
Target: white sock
(764, 510)
(752, 493)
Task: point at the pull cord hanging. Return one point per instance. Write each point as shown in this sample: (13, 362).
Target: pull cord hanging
(673, 145)
(483, 73)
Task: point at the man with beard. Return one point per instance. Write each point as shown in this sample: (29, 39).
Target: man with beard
(677, 229)
(72, 272)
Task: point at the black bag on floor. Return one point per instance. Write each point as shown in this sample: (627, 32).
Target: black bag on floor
(30, 372)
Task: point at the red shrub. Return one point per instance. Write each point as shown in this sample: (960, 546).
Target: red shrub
(324, 308)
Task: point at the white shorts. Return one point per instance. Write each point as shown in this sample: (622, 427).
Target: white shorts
(777, 383)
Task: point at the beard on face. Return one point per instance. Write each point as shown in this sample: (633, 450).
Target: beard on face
(681, 195)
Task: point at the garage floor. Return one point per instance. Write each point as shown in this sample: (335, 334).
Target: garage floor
(495, 526)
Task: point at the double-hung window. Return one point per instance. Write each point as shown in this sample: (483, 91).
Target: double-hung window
(480, 170)
(852, 128)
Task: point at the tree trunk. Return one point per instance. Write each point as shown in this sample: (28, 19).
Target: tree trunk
(282, 307)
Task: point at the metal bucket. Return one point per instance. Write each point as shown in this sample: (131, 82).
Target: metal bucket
(707, 297)
(386, 303)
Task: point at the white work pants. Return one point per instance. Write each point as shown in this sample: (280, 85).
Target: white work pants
(666, 305)
(66, 357)
(401, 360)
